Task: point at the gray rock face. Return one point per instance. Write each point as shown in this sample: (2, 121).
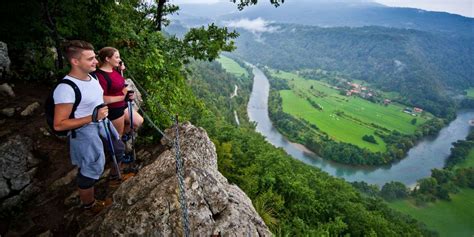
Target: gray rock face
(7, 90)
(17, 169)
(138, 96)
(148, 204)
(4, 189)
(4, 60)
(30, 109)
(9, 112)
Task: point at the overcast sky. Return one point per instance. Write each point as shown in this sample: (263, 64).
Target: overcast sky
(461, 7)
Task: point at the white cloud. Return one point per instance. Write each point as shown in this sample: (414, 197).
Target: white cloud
(258, 25)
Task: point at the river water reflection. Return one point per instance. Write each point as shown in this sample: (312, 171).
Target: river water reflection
(428, 154)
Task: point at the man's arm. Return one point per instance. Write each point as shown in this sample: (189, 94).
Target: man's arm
(63, 122)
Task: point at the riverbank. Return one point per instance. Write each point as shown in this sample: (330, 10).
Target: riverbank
(429, 153)
(346, 129)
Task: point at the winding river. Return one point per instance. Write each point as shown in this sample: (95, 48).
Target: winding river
(428, 154)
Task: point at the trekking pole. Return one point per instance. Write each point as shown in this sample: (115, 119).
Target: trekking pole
(132, 129)
(111, 146)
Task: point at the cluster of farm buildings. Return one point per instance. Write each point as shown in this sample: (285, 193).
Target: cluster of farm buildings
(367, 93)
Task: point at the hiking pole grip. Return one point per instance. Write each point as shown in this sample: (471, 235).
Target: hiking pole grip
(129, 95)
(95, 112)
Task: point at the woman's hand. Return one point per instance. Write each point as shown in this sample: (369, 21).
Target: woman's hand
(130, 96)
(122, 66)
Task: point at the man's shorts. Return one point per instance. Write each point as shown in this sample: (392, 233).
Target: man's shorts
(87, 149)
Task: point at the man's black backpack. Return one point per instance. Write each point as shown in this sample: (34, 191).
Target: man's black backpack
(49, 106)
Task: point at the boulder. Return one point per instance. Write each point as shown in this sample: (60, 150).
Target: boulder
(4, 60)
(148, 204)
(6, 90)
(4, 188)
(138, 96)
(30, 109)
(9, 112)
(17, 169)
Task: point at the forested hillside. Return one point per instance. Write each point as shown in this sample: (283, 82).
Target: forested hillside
(421, 66)
(293, 198)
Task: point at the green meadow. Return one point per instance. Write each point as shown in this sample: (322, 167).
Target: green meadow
(448, 218)
(469, 162)
(232, 67)
(470, 92)
(344, 118)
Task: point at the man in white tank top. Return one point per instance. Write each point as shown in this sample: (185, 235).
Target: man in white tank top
(86, 148)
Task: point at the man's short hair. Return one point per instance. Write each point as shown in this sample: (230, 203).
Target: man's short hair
(74, 48)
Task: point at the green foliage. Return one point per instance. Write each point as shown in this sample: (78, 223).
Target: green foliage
(294, 199)
(470, 93)
(213, 85)
(370, 190)
(460, 151)
(369, 138)
(418, 65)
(163, 8)
(268, 204)
(467, 103)
(449, 180)
(333, 127)
(244, 3)
(468, 162)
(156, 61)
(206, 44)
(233, 67)
(449, 218)
(394, 190)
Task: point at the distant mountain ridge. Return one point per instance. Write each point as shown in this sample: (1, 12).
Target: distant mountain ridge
(422, 66)
(423, 55)
(335, 13)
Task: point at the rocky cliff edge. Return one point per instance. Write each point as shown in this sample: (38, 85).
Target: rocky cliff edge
(148, 203)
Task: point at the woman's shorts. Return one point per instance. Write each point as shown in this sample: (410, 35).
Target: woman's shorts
(115, 113)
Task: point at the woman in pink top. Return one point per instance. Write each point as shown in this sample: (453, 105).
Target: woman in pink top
(115, 89)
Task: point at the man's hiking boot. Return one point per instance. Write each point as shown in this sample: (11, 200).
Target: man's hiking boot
(114, 181)
(97, 206)
(130, 169)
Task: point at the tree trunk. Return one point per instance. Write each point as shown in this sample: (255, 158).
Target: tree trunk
(159, 14)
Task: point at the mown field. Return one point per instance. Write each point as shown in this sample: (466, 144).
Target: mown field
(232, 67)
(344, 118)
(449, 218)
(470, 92)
